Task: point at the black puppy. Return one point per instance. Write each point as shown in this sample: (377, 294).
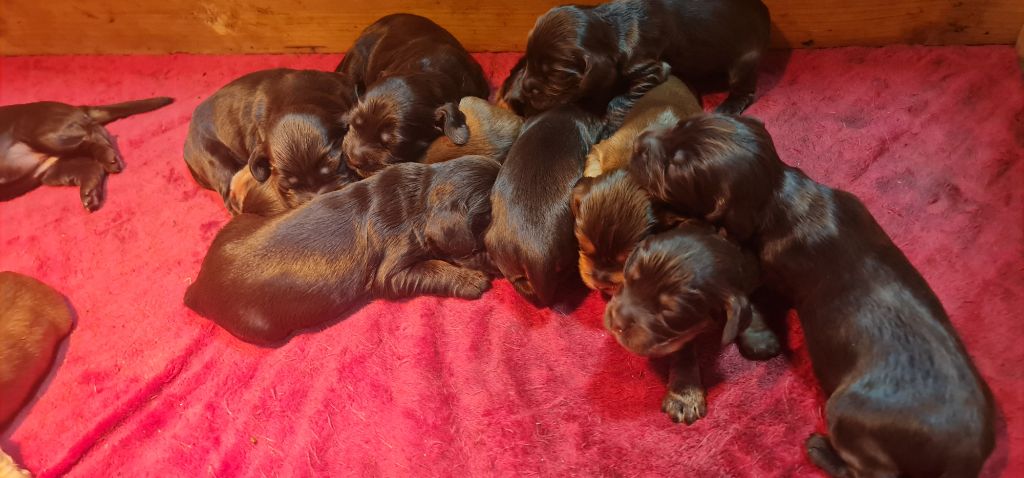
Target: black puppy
(285, 125)
(606, 57)
(531, 235)
(413, 229)
(57, 144)
(413, 73)
(904, 397)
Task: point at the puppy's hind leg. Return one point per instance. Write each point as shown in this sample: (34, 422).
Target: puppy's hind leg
(86, 173)
(434, 277)
(742, 84)
(821, 453)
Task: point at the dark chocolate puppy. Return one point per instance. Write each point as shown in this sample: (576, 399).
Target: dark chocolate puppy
(57, 144)
(606, 57)
(904, 397)
(678, 285)
(531, 235)
(284, 125)
(413, 229)
(413, 73)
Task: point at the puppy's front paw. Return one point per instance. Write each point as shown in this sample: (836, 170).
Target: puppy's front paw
(93, 197)
(685, 406)
(758, 344)
(471, 284)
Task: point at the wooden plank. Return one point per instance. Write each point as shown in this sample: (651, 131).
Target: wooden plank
(30, 27)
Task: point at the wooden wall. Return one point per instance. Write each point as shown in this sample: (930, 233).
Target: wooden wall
(29, 27)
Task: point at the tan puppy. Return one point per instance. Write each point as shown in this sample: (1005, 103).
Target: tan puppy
(34, 318)
(247, 195)
(10, 469)
(492, 129)
(664, 105)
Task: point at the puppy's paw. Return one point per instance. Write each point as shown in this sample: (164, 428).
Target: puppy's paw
(685, 406)
(758, 344)
(93, 197)
(471, 284)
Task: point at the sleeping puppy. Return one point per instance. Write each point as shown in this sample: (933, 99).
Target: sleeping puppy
(678, 285)
(284, 125)
(57, 144)
(413, 73)
(531, 234)
(249, 196)
(34, 319)
(664, 105)
(411, 230)
(904, 397)
(492, 130)
(604, 57)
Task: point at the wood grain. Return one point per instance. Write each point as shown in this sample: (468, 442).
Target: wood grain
(30, 27)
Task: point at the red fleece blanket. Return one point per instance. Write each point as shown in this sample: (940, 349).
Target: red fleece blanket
(931, 139)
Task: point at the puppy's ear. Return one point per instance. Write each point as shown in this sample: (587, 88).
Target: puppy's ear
(259, 164)
(580, 190)
(647, 165)
(737, 317)
(452, 122)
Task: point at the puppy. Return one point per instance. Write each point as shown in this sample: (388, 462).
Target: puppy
(34, 319)
(604, 57)
(413, 229)
(678, 285)
(413, 73)
(664, 105)
(492, 130)
(531, 235)
(284, 125)
(249, 196)
(57, 144)
(904, 397)
(10, 469)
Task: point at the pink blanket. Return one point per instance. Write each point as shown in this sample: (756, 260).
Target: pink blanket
(932, 139)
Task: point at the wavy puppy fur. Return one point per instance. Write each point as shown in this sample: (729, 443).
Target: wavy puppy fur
(284, 125)
(905, 399)
(531, 235)
(411, 74)
(413, 229)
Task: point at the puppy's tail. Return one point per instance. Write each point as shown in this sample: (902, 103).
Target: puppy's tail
(109, 113)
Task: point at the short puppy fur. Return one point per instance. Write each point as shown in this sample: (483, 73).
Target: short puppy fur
(531, 235)
(678, 285)
(34, 319)
(411, 230)
(492, 130)
(249, 196)
(56, 144)
(604, 57)
(905, 399)
(285, 126)
(664, 105)
(411, 74)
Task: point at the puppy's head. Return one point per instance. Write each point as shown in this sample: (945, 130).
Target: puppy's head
(723, 169)
(301, 154)
(459, 206)
(612, 216)
(678, 285)
(569, 55)
(396, 121)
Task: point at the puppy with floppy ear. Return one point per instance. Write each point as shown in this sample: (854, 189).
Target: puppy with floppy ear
(664, 105)
(413, 229)
(904, 399)
(491, 130)
(531, 234)
(414, 73)
(606, 56)
(678, 285)
(57, 144)
(284, 125)
(249, 196)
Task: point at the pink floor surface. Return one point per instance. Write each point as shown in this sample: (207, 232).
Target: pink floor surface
(930, 138)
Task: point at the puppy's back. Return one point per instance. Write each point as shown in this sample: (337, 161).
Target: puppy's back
(531, 234)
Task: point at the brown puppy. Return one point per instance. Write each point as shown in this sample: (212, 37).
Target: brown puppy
(531, 234)
(904, 397)
(57, 144)
(664, 105)
(413, 73)
(413, 229)
(284, 125)
(605, 57)
(492, 130)
(249, 196)
(678, 285)
(34, 319)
